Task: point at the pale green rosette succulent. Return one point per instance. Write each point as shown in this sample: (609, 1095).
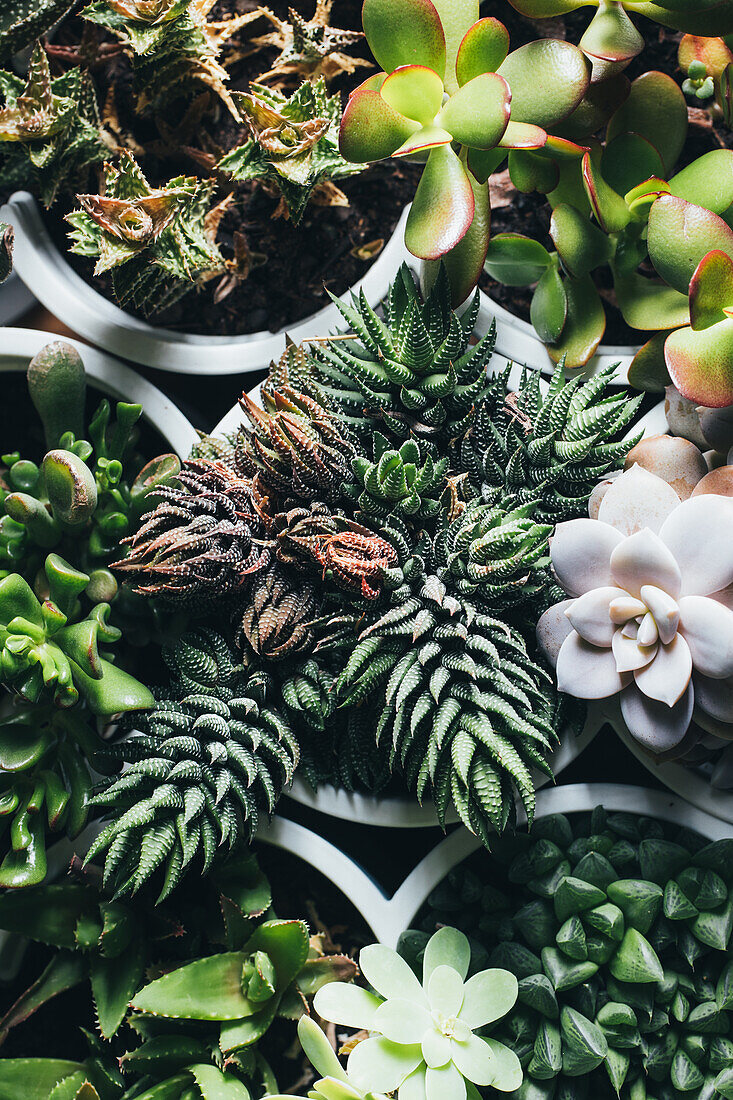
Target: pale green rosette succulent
(423, 1043)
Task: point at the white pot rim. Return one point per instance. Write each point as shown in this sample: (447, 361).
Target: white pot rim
(46, 270)
(517, 341)
(15, 299)
(19, 345)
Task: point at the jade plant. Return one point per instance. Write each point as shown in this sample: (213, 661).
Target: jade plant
(293, 145)
(367, 567)
(158, 242)
(617, 929)
(424, 1036)
(611, 39)
(50, 131)
(617, 205)
(449, 80)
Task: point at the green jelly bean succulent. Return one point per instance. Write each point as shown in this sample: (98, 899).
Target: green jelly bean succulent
(49, 128)
(452, 95)
(617, 929)
(708, 67)
(51, 651)
(423, 1035)
(615, 204)
(293, 144)
(45, 782)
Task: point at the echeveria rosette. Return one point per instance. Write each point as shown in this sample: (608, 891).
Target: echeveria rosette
(611, 40)
(334, 1083)
(442, 87)
(422, 1043)
(648, 616)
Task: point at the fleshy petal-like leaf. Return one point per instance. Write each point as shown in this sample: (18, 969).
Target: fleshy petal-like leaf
(514, 260)
(680, 235)
(611, 36)
(488, 996)
(389, 974)
(478, 113)
(648, 370)
(548, 79)
(708, 181)
(586, 671)
(657, 727)
(377, 1065)
(371, 129)
(711, 290)
(548, 310)
(446, 946)
(482, 50)
(443, 207)
(584, 325)
(414, 91)
(404, 32)
(656, 110)
(700, 363)
(522, 135)
(580, 244)
(349, 1005)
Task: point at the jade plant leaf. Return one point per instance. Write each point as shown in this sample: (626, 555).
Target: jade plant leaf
(414, 91)
(478, 113)
(611, 36)
(580, 244)
(482, 50)
(549, 307)
(558, 68)
(515, 260)
(656, 110)
(371, 129)
(680, 234)
(443, 206)
(708, 181)
(404, 32)
(584, 325)
(648, 369)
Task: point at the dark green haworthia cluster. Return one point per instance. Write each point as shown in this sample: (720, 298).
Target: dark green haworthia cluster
(372, 568)
(548, 448)
(618, 929)
(413, 372)
(213, 752)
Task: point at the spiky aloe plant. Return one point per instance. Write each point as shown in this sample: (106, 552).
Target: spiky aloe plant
(49, 129)
(212, 754)
(618, 929)
(156, 241)
(464, 709)
(413, 373)
(547, 448)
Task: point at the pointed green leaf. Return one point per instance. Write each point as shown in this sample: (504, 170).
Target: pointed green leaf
(636, 960)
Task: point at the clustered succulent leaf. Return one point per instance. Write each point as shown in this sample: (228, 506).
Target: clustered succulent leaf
(617, 929)
(26, 20)
(213, 751)
(50, 132)
(708, 67)
(46, 784)
(293, 143)
(155, 241)
(548, 448)
(373, 568)
(307, 47)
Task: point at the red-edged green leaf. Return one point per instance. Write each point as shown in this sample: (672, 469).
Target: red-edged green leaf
(514, 260)
(521, 135)
(711, 290)
(571, 187)
(596, 107)
(656, 109)
(549, 308)
(371, 129)
(548, 79)
(546, 9)
(611, 36)
(465, 262)
(404, 32)
(584, 325)
(628, 160)
(679, 235)
(700, 363)
(712, 52)
(648, 369)
(648, 304)
(708, 181)
(530, 171)
(372, 83)
(428, 137)
(478, 113)
(482, 50)
(415, 92)
(640, 198)
(581, 245)
(443, 206)
(609, 208)
(482, 162)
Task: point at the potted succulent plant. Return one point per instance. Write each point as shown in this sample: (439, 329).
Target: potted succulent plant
(614, 915)
(260, 158)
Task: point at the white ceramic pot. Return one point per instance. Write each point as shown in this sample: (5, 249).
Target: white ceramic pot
(48, 273)
(15, 299)
(400, 910)
(517, 341)
(112, 378)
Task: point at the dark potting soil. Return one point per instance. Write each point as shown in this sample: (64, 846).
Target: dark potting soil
(331, 249)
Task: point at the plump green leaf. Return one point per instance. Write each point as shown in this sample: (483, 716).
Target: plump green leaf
(580, 244)
(558, 68)
(648, 371)
(707, 182)
(548, 310)
(514, 260)
(700, 363)
(371, 129)
(404, 32)
(482, 50)
(443, 207)
(680, 235)
(611, 37)
(655, 109)
(414, 91)
(584, 1045)
(478, 113)
(636, 961)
